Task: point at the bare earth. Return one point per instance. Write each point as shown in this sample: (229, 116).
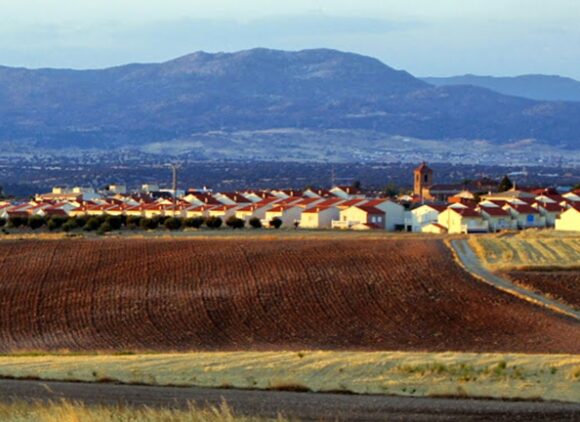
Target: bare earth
(166, 295)
(305, 406)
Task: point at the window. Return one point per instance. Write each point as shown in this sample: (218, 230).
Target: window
(530, 218)
(425, 178)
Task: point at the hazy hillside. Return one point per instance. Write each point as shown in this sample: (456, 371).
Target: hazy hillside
(258, 90)
(535, 87)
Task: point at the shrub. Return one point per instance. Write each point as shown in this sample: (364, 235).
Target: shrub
(149, 223)
(114, 221)
(17, 222)
(213, 222)
(104, 228)
(81, 220)
(68, 226)
(35, 222)
(235, 222)
(92, 224)
(195, 222)
(56, 222)
(255, 223)
(275, 222)
(172, 223)
(133, 220)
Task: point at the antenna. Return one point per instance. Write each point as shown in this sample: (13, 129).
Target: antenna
(332, 177)
(174, 171)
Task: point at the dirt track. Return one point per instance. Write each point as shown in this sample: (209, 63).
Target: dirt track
(305, 406)
(163, 295)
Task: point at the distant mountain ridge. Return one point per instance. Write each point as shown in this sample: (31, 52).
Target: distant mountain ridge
(262, 89)
(535, 87)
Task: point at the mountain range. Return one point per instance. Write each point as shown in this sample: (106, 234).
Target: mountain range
(257, 90)
(535, 87)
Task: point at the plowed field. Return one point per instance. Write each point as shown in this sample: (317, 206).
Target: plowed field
(561, 285)
(159, 295)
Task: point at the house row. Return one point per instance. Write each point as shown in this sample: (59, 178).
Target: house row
(512, 210)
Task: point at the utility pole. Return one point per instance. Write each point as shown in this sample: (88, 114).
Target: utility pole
(174, 169)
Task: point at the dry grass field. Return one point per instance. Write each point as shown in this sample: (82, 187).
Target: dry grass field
(63, 411)
(244, 294)
(528, 250)
(550, 377)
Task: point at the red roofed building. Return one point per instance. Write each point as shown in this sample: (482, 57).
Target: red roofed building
(525, 215)
(497, 218)
(361, 217)
(463, 220)
(319, 217)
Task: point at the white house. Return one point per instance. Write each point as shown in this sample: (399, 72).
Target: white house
(318, 217)
(550, 211)
(394, 213)
(497, 218)
(289, 214)
(569, 220)
(346, 192)
(360, 217)
(434, 228)
(463, 220)
(423, 215)
(525, 215)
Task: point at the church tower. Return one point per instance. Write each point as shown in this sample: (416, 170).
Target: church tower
(423, 179)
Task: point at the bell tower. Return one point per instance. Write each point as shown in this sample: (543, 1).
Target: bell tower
(423, 179)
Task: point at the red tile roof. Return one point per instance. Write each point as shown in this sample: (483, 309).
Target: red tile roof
(465, 212)
(370, 210)
(495, 211)
(523, 209)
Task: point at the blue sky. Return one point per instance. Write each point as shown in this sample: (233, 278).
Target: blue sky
(425, 37)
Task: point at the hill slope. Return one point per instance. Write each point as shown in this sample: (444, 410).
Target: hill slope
(261, 89)
(260, 295)
(535, 87)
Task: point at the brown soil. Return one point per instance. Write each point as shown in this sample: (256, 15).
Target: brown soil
(560, 285)
(160, 295)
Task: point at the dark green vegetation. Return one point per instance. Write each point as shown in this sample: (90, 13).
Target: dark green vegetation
(110, 223)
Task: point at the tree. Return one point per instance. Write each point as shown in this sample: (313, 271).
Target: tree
(81, 220)
(577, 187)
(104, 228)
(1, 192)
(56, 222)
(35, 222)
(114, 221)
(391, 190)
(2, 222)
(133, 221)
(505, 184)
(70, 225)
(275, 223)
(92, 224)
(172, 223)
(235, 222)
(17, 221)
(213, 222)
(356, 184)
(149, 223)
(194, 222)
(255, 223)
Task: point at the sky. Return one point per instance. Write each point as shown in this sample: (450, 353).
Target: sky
(424, 37)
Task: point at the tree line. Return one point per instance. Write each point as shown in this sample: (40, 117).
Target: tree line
(108, 223)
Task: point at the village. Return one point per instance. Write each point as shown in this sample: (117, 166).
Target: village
(480, 206)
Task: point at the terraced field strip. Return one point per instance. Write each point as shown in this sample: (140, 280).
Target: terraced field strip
(550, 377)
(472, 264)
(525, 251)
